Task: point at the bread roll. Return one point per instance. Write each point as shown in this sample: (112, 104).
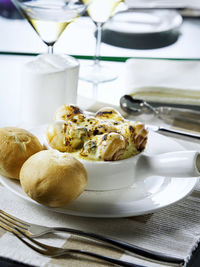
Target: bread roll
(16, 146)
(53, 178)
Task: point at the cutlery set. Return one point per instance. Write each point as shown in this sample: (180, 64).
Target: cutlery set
(185, 115)
(26, 232)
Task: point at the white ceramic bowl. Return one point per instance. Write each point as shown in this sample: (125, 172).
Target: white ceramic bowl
(110, 175)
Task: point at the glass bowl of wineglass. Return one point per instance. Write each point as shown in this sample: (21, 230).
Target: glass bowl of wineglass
(49, 18)
(100, 11)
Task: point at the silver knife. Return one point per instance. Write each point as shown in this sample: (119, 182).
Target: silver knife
(175, 132)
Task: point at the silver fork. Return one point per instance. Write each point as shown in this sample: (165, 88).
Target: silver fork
(33, 230)
(51, 251)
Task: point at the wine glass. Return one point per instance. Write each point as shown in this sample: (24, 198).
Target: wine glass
(99, 11)
(49, 18)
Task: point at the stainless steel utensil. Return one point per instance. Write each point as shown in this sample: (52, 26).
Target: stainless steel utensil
(175, 132)
(33, 230)
(184, 119)
(51, 251)
(165, 113)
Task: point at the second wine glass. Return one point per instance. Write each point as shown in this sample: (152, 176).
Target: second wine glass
(99, 11)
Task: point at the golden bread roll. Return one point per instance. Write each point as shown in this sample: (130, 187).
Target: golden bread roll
(16, 146)
(53, 178)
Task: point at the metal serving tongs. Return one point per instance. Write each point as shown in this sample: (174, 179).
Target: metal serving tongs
(180, 117)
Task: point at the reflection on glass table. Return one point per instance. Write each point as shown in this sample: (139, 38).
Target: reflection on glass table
(73, 41)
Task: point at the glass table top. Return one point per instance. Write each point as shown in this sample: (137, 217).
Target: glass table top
(78, 39)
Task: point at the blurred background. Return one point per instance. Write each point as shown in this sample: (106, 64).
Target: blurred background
(170, 33)
(141, 29)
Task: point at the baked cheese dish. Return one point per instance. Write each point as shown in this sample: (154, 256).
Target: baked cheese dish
(105, 136)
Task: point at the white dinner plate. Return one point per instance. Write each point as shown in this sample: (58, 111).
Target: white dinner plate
(145, 196)
(143, 29)
(144, 21)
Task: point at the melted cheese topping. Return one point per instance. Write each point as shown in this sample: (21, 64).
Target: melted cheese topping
(104, 136)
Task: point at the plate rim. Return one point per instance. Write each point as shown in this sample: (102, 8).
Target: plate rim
(173, 12)
(194, 182)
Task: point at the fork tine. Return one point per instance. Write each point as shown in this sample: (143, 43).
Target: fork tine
(25, 234)
(4, 227)
(39, 247)
(18, 233)
(14, 218)
(8, 220)
(9, 226)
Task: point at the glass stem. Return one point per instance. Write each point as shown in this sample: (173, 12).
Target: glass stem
(98, 43)
(50, 49)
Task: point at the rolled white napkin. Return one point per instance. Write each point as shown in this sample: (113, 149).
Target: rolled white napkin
(167, 81)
